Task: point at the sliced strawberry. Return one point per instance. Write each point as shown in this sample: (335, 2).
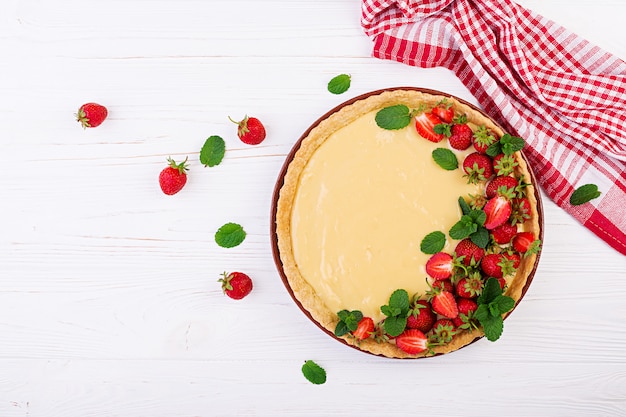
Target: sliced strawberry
(525, 242)
(498, 210)
(412, 341)
(444, 304)
(444, 111)
(364, 329)
(440, 266)
(425, 125)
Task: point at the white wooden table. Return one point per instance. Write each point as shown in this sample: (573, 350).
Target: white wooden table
(109, 301)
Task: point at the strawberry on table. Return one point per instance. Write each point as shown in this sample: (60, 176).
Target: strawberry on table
(173, 178)
(250, 130)
(236, 285)
(91, 115)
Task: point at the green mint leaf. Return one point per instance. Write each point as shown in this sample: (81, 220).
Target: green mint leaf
(481, 313)
(393, 117)
(491, 290)
(230, 235)
(445, 158)
(433, 243)
(313, 372)
(584, 194)
(341, 328)
(387, 311)
(492, 326)
(494, 149)
(343, 314)
(463, 228)
(465, 208)
(478, 217)
(212, 151)
(348, 321)
(511, 144)
(503, 303)
(395, 325)
(399, 300)
(480, 237)
(443, 129)
(339, 84)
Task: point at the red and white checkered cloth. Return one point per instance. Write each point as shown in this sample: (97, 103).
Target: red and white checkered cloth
(563, 95)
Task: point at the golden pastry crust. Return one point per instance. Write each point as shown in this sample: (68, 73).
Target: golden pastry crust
(300, 288)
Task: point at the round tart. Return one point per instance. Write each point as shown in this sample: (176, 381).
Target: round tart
(390, 233)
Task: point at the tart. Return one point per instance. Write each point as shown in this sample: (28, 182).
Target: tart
(375, 208)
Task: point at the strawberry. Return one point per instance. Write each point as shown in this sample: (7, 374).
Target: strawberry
(483, 138)
(443, 284)
(444, 304)
(525, 242)
(236, 285)
(425, 125)
(250, 130)
(91, 115)
(471, 252)
(364, 329)
(504, 233)
(465, 319)
(470, 286)
(498, 210)
(440, 266)
(173, 178)
(478, 167)
(514, 257)
(412, 341)
(504, 164)
(421, 316)
(501, 184)
(502, 283)
(520, 210)
(460, 136)
(496, 265)
(442, 332)
(444, 111)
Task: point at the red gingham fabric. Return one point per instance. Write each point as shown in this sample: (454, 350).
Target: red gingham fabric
(563, 95)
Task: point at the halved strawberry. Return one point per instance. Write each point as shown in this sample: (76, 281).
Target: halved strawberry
(444, 111)
(425, 125)
(412, 341)
(444, 304)
(525, 242)
(440, 265)
(364, 329)
(498, 210)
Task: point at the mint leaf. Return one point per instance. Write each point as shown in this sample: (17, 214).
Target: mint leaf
(465, 208)
(433, 242)
(445, 158)
(313, 372)
(494, 149)
(341, 328)
(502, 304)
(230, 235)
(393, 117)
(492, 326)
(491, 290)
(463, 228)
(348, 321)
(400, 300)
(339, 84)
(395, 325)
(482, 312)
(584, 194)
(212, 151)
(511, 144)
(480, 237)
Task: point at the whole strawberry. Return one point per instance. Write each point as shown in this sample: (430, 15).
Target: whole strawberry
(236, 285)
(173, 178)
(421, 316)
(91, 115)
(250, 130)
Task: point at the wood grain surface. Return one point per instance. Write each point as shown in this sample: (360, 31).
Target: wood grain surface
(109, 301)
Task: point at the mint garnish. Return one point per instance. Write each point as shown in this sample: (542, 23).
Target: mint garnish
(339, 84)
(507, 145)
(492, 304)
(397, 312)
(313, 372)
(584, 194)
(230, 235)
(465, 208)
(445, 158)
(348, 321)
(433, 242)
(394, 117)
(212, 151)
(468, 224)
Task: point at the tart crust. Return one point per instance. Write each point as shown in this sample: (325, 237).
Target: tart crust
(302, 292)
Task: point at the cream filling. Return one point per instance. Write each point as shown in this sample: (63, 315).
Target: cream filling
(365, 200)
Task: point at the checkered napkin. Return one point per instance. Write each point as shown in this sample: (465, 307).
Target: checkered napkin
(564, 96)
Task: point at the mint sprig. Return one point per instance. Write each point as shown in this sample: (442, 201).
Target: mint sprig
(314, 373)
(445, 158)
(397, 311)
(433, 242)
(348, 321)
(507, 145)
(230, 235)
(584, 194)
(339, 84)
(212, 151)
(492, 304)
(394, 117)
